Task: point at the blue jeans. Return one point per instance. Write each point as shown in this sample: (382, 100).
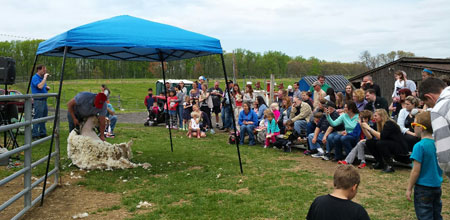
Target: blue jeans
(332, 137)
(427, 202)
(40, 110)
(299, 125)
(310, 127)
(112, 122)
(226, 116)
(180, 115)
(318, 142)
(347, 142)
(251, 137)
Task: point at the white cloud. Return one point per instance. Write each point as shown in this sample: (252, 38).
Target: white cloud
(331, 30)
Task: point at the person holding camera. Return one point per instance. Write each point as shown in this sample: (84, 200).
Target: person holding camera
(367, 83)
(39, 85)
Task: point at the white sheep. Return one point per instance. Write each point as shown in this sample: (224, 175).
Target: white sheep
(88, 151)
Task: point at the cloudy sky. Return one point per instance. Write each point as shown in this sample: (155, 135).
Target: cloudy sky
(327, 29)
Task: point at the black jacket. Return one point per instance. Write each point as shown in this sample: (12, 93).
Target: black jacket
(391, 131)
(380, 102)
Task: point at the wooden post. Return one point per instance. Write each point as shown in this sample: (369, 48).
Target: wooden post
(272, 80)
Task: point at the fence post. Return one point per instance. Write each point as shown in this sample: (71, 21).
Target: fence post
(118, 102)
(27, 155)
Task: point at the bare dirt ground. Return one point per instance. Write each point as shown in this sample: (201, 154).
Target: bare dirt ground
(67, 200)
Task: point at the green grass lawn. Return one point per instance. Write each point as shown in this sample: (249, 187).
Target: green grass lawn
(202, 177)
(132, 91)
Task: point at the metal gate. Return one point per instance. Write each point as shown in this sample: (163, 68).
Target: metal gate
(28, 165)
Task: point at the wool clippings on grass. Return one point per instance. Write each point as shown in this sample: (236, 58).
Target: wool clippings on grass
(80, 215)
(144, 204)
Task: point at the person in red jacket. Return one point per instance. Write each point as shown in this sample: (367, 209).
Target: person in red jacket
(172, 102)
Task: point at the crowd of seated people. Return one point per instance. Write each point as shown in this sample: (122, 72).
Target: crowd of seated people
(340, 127)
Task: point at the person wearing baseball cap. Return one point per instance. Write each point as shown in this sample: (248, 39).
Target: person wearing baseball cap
(201, 80)
(84, 105)
(427, 73)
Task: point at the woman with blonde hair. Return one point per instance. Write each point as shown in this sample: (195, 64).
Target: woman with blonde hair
(359, 99)
(406, 117)
(389, 141)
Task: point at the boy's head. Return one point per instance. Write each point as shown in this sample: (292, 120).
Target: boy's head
(422, 124)
(155, 104)
(150, 91)
(289, 125)
(365, 116)
(346, 178)
(317, 117)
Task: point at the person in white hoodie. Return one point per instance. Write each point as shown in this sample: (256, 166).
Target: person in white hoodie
(435, 94)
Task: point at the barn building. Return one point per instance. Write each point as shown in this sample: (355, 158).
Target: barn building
(413, 66)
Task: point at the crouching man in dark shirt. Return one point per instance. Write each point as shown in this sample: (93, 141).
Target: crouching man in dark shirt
(338, 205)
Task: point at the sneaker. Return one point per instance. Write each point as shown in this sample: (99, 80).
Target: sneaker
(110, 135)
(287, 149)
(167, 126)
(326, 157)
(362, 165)
(317, 155)
(342, 162)
(265, 146)
(212, 131)
(389, 169)
(307, 152)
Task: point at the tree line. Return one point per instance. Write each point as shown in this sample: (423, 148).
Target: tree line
(240, 63)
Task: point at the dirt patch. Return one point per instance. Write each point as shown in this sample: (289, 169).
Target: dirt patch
(65, 201)
(242, 191)
(180, 203)
(195, 168)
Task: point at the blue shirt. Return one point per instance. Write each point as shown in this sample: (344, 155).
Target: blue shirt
(250, 116)
(108, 105)
(424, 152)
(261, 110)
(34, 85)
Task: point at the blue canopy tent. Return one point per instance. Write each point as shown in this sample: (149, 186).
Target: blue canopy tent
(130, 39)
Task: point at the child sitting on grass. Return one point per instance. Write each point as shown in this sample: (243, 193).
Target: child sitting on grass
(358, 151)
(426, 175)
(194, 125)
(338, 205)
(272, 128)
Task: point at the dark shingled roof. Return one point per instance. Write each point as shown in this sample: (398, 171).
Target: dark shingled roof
(442, 65)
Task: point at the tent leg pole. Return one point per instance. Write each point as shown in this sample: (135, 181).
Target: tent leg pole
(55, 121)
(167, 103)
(227, 90)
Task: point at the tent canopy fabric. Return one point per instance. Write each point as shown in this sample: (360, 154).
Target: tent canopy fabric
(337, 82)
(129, 38)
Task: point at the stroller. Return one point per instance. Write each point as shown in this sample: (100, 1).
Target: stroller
(156, 114)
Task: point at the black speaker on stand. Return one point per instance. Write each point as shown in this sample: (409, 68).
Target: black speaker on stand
(7, 71)
(7, 77)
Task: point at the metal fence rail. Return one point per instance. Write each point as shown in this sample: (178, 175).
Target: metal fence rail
(28, 165)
